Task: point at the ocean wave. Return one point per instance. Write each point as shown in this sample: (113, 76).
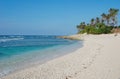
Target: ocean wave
(10, 39)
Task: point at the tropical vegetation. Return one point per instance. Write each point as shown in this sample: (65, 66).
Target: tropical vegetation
(100, 25)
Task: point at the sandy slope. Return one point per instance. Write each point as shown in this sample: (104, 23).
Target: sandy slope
(99, 58)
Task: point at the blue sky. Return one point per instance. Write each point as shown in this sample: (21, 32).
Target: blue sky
(49, 17)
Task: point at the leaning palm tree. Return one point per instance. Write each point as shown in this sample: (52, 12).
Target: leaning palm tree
(113, 14)
(106, 17)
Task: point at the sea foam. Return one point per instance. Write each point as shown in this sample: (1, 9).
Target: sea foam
(10, 39)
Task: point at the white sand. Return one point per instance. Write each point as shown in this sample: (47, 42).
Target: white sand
(99, 58)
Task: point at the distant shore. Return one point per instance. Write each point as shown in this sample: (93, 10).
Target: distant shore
(97, 59)
(73, 37)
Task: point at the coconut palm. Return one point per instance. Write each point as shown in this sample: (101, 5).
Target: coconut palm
(97, 20)
(102, 21)
(106, 17)
(81, 26)
(103, 17)
(92, 21)
(106, 20)
(113, 13)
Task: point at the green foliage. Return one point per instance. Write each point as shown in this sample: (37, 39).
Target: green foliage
(100, 26)
(100, 29)
(119, 26)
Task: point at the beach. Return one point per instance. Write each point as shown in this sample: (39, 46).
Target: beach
(97, 59)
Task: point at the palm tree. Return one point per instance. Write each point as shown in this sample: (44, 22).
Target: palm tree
(88, 24)
(106, 17)
(103, 17)
(97, 20)
(113, 13)
(116, 13)
(92, 21)
(102, 21)
(81, 26)
(83, 23)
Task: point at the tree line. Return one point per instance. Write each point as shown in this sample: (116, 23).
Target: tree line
(102, 25)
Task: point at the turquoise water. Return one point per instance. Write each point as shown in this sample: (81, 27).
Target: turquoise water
(20, 51)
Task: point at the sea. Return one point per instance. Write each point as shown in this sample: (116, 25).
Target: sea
(21, 51)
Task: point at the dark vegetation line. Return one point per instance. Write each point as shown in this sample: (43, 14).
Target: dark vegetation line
(108, 23)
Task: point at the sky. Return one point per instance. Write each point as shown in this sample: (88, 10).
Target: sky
(49, 17)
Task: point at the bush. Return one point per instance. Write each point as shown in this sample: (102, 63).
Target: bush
(102, 29)
(119, 26)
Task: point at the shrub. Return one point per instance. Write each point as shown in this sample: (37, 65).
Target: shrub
(119, 26)
(102, 29)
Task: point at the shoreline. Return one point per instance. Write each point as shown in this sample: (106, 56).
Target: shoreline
(96, 59)
(59, 52)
